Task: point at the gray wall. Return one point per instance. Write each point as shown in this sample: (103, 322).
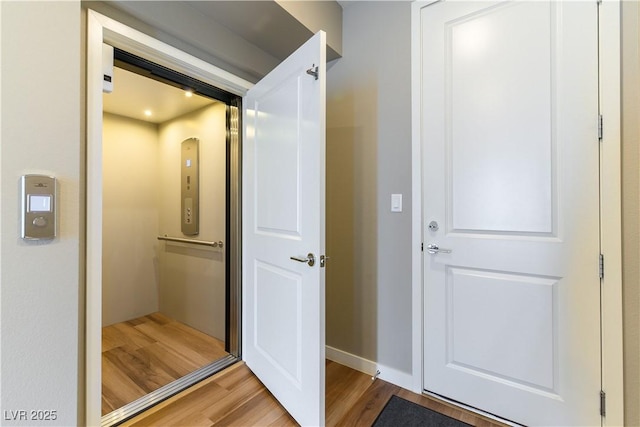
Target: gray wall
(368, 159)
(41, 282)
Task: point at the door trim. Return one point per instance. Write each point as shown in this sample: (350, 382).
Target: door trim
(611, 212)
(102, 29)
(610, 209)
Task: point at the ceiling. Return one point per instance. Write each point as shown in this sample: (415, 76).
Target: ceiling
(262, 24)
(133, 94)
(265, 26)
(247, 38)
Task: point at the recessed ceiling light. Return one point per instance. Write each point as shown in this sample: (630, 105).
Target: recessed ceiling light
(188, 93)
(147, 113)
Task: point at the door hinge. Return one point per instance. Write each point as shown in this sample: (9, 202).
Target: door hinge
(422, 247)
(603, 403)
(601, 266)
(600, 127)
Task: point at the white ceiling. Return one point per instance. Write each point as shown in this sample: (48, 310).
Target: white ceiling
(133, 94)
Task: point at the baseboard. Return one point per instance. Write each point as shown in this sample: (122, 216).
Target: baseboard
(351, 360)
(391, 375)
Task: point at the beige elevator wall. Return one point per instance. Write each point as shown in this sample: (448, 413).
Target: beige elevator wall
(141, 200)
(192, 278)
(129, 219)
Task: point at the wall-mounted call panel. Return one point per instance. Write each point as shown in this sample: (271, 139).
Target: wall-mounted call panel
(38, 207)
(189, 175)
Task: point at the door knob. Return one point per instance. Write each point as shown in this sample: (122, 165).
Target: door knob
(434, 249)
(309, 259)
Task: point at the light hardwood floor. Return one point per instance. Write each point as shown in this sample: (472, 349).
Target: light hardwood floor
(236, 397)
(143, 354)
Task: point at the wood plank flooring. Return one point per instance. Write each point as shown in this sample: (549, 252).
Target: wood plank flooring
(235, 397)
(141, 355)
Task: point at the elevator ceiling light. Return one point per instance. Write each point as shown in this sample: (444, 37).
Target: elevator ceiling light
(147, 113)
(188, 93)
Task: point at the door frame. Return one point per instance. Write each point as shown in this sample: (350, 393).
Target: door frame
(610, 209)
(101, 29)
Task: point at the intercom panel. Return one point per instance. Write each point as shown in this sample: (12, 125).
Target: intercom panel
(190, 200)
(39, 220)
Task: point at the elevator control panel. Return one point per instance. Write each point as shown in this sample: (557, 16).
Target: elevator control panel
(38, 207)
(189, 175)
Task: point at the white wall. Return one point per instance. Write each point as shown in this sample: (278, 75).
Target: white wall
(130, 218)
(192, 278)
(41, 282)
(368, 159)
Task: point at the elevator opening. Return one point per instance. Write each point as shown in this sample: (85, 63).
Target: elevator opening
(170, 235)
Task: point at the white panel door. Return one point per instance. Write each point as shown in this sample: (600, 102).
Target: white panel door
(510, 157)
(284, 214)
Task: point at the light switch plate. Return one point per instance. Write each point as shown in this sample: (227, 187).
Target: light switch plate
(396, 203)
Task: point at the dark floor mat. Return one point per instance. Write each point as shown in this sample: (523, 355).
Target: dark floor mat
(399, 412)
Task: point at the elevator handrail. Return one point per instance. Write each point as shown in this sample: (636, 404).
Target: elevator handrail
(217, 244)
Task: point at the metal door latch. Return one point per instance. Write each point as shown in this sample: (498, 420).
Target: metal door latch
(323, 260)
